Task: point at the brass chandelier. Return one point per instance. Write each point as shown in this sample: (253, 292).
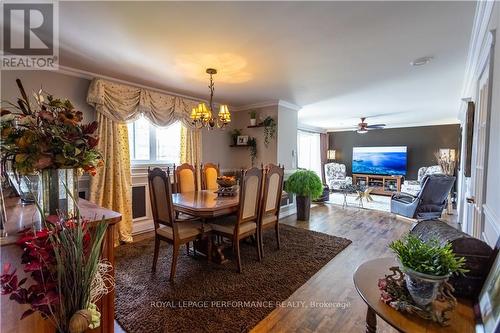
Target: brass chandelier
(202, 116)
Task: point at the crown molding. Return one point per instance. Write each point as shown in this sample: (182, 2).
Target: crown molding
(308, 128)
(422, 124)
(277, 103)
(90, 76)
(480, 43)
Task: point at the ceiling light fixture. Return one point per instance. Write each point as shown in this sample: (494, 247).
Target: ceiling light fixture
(362, 131)
(421, 61)
(202, 116)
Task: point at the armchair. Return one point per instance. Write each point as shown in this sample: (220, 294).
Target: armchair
(335, 176)
(430, 201)
(414, 186)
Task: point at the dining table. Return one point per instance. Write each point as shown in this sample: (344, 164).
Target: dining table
(206, 205)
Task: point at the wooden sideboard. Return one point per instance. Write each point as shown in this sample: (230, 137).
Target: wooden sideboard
(18, 218)
(384, 185)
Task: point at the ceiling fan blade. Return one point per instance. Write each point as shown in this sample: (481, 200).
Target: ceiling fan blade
(376, 126)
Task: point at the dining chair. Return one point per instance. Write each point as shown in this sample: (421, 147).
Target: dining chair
(244, 224)
(209, 175)
(270, 204)
(168, 227)
(185, 178)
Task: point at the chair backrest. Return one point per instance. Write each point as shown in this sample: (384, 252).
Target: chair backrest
(435, 189)
(428, 170)
(250, 191)
(272, 189)
(335, 171)
(185, 178)
(209, 174)
(160, 194)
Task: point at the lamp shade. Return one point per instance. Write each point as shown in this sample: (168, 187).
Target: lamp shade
(330, 154)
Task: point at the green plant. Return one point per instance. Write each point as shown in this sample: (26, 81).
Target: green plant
(253, 114)
(234, 134)
(427, 257)
(253, 148)
(269, 129)
(304, 183)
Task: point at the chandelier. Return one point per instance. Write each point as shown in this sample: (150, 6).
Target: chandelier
(202, 115)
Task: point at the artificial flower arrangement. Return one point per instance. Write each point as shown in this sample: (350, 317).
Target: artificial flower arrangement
(47, 135)
(69, 277)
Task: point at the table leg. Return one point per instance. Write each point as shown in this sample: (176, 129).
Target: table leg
(371, 321)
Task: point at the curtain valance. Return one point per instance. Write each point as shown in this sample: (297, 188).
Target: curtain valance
(123, 103)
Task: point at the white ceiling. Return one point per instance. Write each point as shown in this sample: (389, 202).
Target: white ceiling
(338, 60)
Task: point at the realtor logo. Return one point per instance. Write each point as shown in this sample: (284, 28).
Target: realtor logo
(29, 35)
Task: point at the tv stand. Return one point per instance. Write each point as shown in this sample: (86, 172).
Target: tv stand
(383, 185)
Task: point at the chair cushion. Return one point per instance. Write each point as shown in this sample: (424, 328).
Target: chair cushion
(186, 229)
(269, 219)
(226, 225)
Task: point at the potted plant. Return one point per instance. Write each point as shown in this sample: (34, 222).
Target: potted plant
(307, 186)
(426, 265)
(253, 118)
(234, 135)
(252, 143)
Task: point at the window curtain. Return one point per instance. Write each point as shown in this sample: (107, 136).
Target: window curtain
(191, 149)
(116, 104)
(323, 141)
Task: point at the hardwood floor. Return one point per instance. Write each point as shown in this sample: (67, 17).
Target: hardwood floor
(370, 231)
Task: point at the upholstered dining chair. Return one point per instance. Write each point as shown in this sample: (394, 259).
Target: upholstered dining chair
(244, 224)
(269, 211)
(185, 178)
(167, 226)
(209, 174)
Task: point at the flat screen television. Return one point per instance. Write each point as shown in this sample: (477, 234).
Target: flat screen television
(379, 160)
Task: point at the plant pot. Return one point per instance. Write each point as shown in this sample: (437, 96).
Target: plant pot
(59, 191)
(303, 208)
(423, 288)
(253, 122)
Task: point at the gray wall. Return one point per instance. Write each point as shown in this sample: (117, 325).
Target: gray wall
(422, 143)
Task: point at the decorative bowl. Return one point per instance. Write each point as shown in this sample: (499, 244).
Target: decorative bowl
(226, 181)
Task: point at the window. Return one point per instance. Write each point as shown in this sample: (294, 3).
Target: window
(150, 144)
(308, 151)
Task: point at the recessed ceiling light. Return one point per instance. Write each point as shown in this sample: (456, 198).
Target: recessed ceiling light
(421, 61)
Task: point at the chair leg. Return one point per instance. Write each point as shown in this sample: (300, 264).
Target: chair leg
(209, 248)
(188, 245)
(257, 236)
(155, 257)
(277, 228)
(237, 252)
(175, 254)
(261, 241)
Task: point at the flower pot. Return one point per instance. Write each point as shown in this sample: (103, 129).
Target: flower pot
(423, 288)
(303, 208)
(253, 122)
(59, 191)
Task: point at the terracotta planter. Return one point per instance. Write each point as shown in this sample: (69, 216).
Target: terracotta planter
(303, 208)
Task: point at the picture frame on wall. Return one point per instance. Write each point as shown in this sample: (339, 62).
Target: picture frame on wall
(489, 299)
(242, 140)
(469, 133)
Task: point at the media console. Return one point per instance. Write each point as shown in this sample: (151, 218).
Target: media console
(384, 185)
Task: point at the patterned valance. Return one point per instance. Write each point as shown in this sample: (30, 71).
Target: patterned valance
(123, 103)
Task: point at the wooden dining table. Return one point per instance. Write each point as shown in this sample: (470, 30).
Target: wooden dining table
(206, 204)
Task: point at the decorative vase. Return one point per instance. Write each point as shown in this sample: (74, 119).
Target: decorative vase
(59, 191)
(28, 188)
(253, 121)
(303, 208)
(423, 288)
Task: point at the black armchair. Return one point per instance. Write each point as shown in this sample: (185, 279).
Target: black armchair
(428, 203)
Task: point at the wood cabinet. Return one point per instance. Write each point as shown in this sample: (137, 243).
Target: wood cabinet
(20, 217)
(383, 185)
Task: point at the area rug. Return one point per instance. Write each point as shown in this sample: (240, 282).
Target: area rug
(207, 297)
(380, 202)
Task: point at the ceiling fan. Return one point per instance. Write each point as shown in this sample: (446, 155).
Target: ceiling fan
(363, 126)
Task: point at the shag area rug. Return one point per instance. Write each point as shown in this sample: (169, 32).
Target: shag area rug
(207, 297)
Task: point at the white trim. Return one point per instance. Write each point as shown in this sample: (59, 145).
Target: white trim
(478, 52)
(307, 128)
(264, 104)
(91, 75)
(490, 215)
